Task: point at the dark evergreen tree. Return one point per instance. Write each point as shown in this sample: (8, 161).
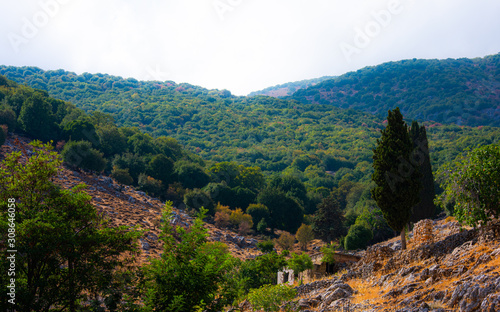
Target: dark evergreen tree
(397, 180)
(285, 212)
(425, 209)
(36, 118)
(329, 219)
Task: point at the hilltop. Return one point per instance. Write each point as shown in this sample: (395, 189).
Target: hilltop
(460, 91)
(289, 88)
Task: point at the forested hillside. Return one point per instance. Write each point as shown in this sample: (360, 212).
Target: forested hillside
(265, 155)
(461, 91)
(289, 88)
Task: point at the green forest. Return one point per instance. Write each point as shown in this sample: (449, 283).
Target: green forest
(251, 164)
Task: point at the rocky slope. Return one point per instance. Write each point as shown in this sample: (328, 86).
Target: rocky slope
(458, 270)
(126, 206)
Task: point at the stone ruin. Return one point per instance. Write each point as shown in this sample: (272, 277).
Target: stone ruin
(286, 275)
(422, 233)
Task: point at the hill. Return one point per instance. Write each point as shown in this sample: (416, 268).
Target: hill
(289, 88)
(460, 91)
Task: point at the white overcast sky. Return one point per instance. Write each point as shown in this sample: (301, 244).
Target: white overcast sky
(240, 45)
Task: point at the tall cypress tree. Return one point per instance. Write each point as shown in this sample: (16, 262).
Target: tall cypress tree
(397, 180)
(420, 157)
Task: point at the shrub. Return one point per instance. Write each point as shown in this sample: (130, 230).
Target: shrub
(285, 241)
(81, 154)
(258, 213)
(237, 217)
(150, 185)
(473, 181)
(304, 235)
(195, 199)
(300, 263)
(122, 176)
(271, 297)
(358, 236)
(266, 246)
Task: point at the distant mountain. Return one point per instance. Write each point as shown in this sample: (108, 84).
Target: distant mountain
(461, 91)
(289, 88)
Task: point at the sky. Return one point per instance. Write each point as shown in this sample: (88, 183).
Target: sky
(241, 45)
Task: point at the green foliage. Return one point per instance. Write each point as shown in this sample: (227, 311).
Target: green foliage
(196, 199)
(266, 246)
(81, 154)
(439, 90)
(258, 212)
(190, 175)
(304, 235)
(192, 273)
(285, 241)
(262, 226)
(111, 140)
(59, 235)
(473, 182)
(133, 162)
(271, 297)
(328, 252)
(161, 168)
(8, 117)
(284, 211)
(261, 271)
(300, 262)
(81, 130)
(3, 135)
(150, 185)
(122, 176)
(397, 180)
(36, 118)
(328, 223)
(425, 209)
(358, 236)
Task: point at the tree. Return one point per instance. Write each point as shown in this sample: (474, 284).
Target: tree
(304, 235)
(190, 175)
(425, 209)
(397, 181)
(81, 154)
(285, 212)
(150, 185)
(258, 212)
(473, 182)
(196, 199)
(191, 273)
(36, 118)
(358, 236)
(299, 263)
(122, 176)
(133, 162)
(271, 297)
(285, 241)
(266, 246)
(66, 250)
(111, 140)
(161, 168)
(328, 223)
(82, 129)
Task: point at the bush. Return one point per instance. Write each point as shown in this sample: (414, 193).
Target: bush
(300, 263)
(286, 241)
(473, 181)
(358, 236)
(266, 246)
(150, 185)
(3, 134)
(304, 235)
(271, 297)
(258, 213)
(81, 154)
(237, 217)
(195, 199)
(122, 176)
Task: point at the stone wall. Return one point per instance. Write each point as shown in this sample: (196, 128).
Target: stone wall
(422, 233)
